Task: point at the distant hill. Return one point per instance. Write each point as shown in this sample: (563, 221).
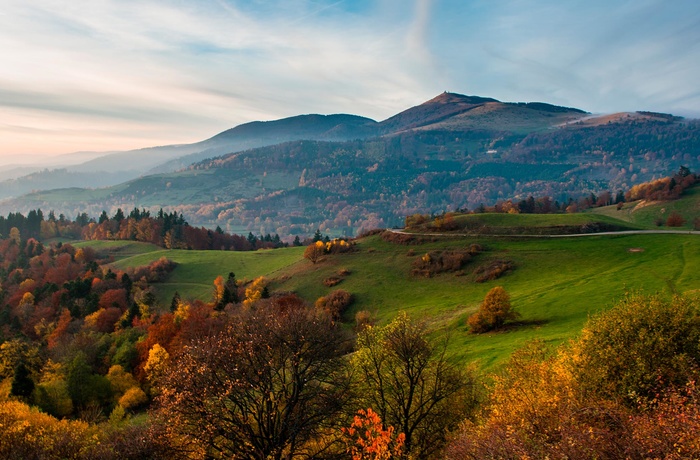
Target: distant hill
(117, 167)
(344, 173)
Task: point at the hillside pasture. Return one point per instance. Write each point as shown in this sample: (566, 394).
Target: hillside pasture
(555, 285)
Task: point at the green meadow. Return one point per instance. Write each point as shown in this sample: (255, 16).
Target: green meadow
(556, 284)
(646, 214)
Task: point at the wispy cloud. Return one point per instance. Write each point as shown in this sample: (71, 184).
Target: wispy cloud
(129, 73)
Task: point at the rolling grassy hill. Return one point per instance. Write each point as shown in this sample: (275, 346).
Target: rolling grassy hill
(646, 214)
(528, 224)
(556, 284)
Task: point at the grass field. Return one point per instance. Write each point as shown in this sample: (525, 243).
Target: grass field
(645, 214)
(556, 285)
(196, 270)
(498, 220)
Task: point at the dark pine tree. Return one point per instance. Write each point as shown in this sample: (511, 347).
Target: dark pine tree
(22, 384)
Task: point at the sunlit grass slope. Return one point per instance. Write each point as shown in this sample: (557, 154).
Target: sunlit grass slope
(645, 214)
(196, 270)
(556, 285)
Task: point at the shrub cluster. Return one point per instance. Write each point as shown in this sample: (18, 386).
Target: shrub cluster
(494, 270)
(401, 238)
(335, 303)
(435, 262)
(316, 250)
(337, 278)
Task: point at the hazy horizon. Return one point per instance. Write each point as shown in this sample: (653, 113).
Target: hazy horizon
(104, 76)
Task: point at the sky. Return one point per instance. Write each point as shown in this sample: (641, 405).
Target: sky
(104, 75)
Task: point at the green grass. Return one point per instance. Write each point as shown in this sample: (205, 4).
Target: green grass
(196, 270)
(119, 250)
(532, 220)
(646, 214)
(556, 285)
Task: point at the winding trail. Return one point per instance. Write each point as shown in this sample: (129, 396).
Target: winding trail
(573, 235)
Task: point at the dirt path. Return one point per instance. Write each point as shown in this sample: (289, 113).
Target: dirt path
(573, 235)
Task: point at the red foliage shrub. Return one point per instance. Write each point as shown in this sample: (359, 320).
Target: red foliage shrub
(156, 272)
(675, 220)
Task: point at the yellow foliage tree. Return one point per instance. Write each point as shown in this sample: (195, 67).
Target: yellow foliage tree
(27, 299)
(120, 380)
(254, 291)
(134, 397)
(14, 235)
(219, 287)
(315, 251)
(27, 433)
(156, 365)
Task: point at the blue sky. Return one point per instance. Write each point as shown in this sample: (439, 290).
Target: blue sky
(118, 74)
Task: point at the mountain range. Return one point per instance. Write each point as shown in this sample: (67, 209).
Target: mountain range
(345, 173)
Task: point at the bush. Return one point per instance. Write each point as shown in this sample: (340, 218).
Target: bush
(335, 303)
(363, 318)
(133, 398)
(332, 281)
(675, 220)
(435, 262)
(638, 347)
(314, 251)
(493, 313)
(493, 271)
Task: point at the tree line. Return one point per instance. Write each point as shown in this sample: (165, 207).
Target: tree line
(167, 230)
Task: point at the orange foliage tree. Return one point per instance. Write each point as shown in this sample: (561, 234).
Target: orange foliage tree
(494, 311)
(366, 438)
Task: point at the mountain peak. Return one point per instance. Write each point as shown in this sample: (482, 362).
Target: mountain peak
(441, 107)
(455, 98)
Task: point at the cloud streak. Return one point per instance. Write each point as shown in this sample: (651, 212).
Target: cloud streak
(131, 74)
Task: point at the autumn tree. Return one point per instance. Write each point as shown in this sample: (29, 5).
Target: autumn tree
(535, 409)
(493, 312)
(641, 345)
(367, 439)
(218, 294)
(254, 291)
(407, 377)
(315, 251)
(261, 389)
